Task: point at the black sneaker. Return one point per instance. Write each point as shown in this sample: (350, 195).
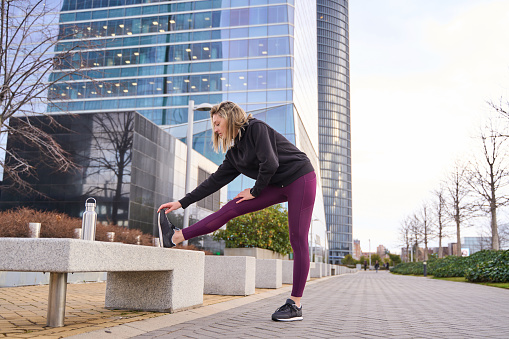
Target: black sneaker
(166, 230)
(288, 312)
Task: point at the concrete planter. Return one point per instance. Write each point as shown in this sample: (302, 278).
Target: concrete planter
(229, 275)
(258, 253)
(269, 273)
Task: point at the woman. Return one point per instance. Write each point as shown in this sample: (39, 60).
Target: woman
(282, 173)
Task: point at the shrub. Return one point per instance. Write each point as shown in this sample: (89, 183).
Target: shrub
(495, 270)
(348, 260)
(451, 266)
(267, 228)
(415, 268)
(14, 223)
(485, 264)
(395, 259)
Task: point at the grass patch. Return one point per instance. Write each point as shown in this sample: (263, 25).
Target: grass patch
(462, 279)
(500, 285)
(457, 279)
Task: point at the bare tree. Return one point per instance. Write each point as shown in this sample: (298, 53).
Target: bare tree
(459, 205)
(29, 33)
(425, 221)
(416, 234)
(439, 206)
(490, 175)
(404, 232)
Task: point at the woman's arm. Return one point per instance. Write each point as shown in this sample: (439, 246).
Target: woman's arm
(224, 175)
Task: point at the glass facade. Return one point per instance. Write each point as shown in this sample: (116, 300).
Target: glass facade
(334, 124)
(115, 163)
(154, 56)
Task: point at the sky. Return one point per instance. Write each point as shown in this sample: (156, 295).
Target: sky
(421, 74)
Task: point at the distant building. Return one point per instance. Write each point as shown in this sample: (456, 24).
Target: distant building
(356, 249)
(474, 244)
(413, 254)
(381, 250)
(434, 250)
(452, 247)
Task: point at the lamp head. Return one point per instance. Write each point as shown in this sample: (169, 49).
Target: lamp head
(203, 107)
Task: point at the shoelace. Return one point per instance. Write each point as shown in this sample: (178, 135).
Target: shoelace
(284, 307)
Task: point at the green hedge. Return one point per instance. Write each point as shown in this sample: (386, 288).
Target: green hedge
(492, 266)
(495, 270)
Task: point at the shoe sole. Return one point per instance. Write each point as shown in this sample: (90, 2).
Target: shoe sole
(161, 243)
(290, 319)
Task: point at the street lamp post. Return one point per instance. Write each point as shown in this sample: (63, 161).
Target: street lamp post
(311, 252)
(370, 254)
(328, 246)
(189, 141)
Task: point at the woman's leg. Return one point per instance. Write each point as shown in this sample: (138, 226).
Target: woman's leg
(301, 199)
(269, 196)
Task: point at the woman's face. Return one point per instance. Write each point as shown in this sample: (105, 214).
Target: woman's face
(220, 125)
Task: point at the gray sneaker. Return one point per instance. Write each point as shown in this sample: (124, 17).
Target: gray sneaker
(288, 312)
(166, 230)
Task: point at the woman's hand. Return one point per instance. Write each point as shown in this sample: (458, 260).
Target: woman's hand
(171, 206)
(244, 195)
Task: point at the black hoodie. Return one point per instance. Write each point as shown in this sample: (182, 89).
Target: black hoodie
(260, 153)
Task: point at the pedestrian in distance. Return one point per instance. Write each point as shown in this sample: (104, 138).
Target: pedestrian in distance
(377, 266)
(282, 173)
(365, 264)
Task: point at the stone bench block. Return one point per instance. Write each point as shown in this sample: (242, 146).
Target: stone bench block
(139, 277)
(288, 272)
(229, 275)
(316, 270)
(269, 273)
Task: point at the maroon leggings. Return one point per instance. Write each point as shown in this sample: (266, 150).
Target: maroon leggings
(300, 195)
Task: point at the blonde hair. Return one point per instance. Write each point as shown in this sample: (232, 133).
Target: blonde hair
(235, 118)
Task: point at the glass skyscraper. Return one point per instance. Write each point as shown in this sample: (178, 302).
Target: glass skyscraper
(334, 124)
(155, 56)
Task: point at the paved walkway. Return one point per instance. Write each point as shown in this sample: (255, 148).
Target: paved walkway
(23, 311)
(362, 305)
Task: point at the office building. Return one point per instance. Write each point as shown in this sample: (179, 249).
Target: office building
(272, 57)
(475, 244)
(334, 124)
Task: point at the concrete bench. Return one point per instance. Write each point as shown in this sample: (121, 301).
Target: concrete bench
(269, 273)
(229, 275)
(139, 277)
(288, 272)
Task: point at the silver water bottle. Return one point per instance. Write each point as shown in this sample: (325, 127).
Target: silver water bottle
(89, 222)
